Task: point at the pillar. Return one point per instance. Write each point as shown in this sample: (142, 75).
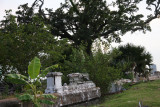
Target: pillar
(54, 82)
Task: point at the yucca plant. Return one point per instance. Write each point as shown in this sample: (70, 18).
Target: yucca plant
(32, 82)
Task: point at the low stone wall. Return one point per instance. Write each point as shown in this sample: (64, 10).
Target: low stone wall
(154, 77)
(81, 96)
(61, 100)
(11, 102)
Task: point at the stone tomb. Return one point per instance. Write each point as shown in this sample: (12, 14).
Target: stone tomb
(80, 88)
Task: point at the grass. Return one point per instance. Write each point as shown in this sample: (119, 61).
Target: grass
(148, 93)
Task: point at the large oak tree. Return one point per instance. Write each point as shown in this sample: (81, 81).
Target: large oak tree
(83, 21)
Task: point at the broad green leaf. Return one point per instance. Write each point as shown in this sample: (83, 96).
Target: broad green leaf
(16, 78)
(49, 69)
(34, 68)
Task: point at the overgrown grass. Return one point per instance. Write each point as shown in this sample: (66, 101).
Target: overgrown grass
(148, 93)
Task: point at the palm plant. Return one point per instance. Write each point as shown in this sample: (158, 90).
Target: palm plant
(136, 57)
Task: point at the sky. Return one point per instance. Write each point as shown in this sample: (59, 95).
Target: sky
(150, 40)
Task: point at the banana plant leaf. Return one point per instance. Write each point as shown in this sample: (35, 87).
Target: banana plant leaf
(34, 68)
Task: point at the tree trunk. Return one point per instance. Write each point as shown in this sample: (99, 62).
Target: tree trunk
(88, 48)
(86, 44)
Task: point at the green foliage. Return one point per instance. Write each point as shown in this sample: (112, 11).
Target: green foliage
(29, 39)
(48, 69)
(135, 56)
(77, 60)
(128, 76)
(34, 68)
(6, 90)
(99, 66)
(32, 82)
(127, 86)
(16, 78)
(101, 70)
(25, 97)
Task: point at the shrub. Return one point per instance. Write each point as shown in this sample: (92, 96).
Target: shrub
(100, 67)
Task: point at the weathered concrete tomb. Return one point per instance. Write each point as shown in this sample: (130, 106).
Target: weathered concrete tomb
(80, 88)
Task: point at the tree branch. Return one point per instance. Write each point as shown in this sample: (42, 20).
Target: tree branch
(106, 34)
(64, 34)
(156, 12)
(74, 7)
